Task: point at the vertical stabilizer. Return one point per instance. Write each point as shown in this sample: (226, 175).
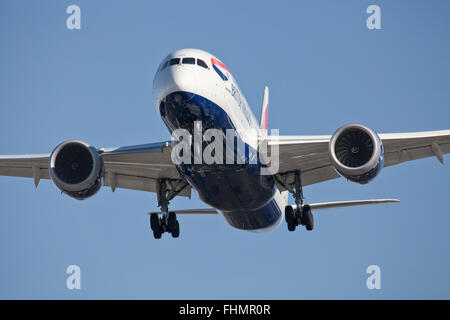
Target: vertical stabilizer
(265, 109)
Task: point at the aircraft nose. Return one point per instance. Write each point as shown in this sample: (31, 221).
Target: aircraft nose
(180, 79)
(175, 78)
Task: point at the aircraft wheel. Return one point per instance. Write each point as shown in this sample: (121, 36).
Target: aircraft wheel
(308, 218)
(176, 230)
(289, 217)
(173, 225)
(154, 222)
(171, 221)
(157, 234)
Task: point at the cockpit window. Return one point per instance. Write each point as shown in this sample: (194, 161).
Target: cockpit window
(188, 60)
(164, 65)
(202, 63)
(174, 61)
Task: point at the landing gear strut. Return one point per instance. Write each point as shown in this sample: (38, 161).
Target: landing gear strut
(166, 221)
(302, 214)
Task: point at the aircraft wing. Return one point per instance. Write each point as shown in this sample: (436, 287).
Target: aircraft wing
(310, 153)
(132, 167)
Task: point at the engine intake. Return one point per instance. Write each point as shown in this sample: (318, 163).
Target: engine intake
(356, 153)
(76, 168)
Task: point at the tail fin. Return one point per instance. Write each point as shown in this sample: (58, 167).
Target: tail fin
(265, 109)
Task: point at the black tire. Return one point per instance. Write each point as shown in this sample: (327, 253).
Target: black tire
(289, 217)
(308, 218)
(176, 230)
(154, 222)
(157, 234)
(299, 217)
(172, 221)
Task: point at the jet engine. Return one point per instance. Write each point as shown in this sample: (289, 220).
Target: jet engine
(356, 153)
(77, 169)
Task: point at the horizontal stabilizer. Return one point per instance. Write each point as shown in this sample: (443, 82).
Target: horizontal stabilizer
(339, 204)
(192, 211)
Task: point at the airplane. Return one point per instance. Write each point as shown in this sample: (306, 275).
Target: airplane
(193, 87)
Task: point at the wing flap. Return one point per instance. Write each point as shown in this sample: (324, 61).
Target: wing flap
(306, 153)
(409, 154)
(137, 183)
(148, 160)
(25, 166)
(402, 147)
(23, 172)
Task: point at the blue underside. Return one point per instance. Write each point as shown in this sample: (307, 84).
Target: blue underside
(244, 196)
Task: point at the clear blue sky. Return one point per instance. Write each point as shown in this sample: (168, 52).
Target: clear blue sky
(324, 69)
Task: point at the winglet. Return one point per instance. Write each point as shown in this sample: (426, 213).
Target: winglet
(265, 109)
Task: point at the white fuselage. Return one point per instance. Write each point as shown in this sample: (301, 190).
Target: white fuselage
(209, 84)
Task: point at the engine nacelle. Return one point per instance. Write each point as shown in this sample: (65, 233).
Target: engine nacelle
(77, 169)
(356, 153)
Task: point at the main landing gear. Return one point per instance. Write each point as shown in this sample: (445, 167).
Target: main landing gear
(298, 217)
(165, 221)
(301, 215)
